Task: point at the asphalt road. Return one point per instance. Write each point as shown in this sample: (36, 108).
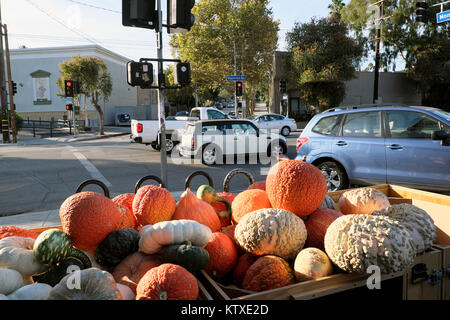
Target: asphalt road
(39, 177)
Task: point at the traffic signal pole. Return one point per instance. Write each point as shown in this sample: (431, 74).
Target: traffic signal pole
(12, 108)
(3, 99)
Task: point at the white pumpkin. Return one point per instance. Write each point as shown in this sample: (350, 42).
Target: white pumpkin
(127, 293)
(312, 263)
(10, 281)
(35, 291)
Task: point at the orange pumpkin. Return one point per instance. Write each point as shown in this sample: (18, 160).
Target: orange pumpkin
(14, 231)
(125, 201)
(243, 264)
(258, 185)
(296, 186)
(248, 201)
(131, 269)
(167, 282)
(268, 272)
(192, 208)
(88, 217)
(317, 225)
(223, 255)
(153, 204)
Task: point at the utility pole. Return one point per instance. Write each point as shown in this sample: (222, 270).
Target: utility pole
(235, 73)
(12, 107)
(377, 63)
(3, 98)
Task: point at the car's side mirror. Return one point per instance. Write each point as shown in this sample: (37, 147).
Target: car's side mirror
(442, 136)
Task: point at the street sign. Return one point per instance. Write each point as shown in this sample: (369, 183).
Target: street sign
(236, 78)
(443, 16)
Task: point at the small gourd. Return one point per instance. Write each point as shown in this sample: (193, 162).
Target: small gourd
(35, 291)
(58, 271)
(51, 246)
(191, 257)
(209, 195)
(10, 281)
(117, 246)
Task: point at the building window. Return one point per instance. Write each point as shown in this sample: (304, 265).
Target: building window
(41, 87)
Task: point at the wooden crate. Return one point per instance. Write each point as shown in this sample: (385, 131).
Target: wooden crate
(445, 293)
(438, 206)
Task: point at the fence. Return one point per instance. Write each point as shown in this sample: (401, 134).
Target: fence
(52, 127)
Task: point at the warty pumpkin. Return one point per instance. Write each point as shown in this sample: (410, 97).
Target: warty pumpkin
(117, 246)
(14, 231)
(248, 201)
(296, 186)
(167, 282)
(153, 204)
(362, 201)
(317, 224)
(239, 271)
(223, 255)
(125, 200)
(258, 185)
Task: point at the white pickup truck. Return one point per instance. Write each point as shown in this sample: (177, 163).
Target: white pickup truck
(146, 131)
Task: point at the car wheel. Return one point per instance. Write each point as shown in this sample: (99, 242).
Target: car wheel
(285, 131)
(334, 174)
(209, 155)
(169, 145)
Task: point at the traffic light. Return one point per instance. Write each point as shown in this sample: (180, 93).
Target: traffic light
(182, 75)
(421, 12)
(239, 88)
(179, 15)
(68, 88)
(76, 87)
(14, 87)
(140, 74)
(139, 14)
(283, 86)
(69, 107)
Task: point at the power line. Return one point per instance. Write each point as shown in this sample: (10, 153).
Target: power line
(95, 7)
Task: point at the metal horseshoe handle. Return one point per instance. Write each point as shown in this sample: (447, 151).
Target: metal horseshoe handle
(187, 184)
(232, 173)
(150, 177)
(93, 181)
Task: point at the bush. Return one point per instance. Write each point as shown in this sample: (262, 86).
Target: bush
(19, 121)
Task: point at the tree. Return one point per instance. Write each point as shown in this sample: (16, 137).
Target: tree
(221, 26)
(323, 57)
(335, 8)
(94, 78)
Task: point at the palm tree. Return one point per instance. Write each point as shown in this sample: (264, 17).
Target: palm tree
(335, 8)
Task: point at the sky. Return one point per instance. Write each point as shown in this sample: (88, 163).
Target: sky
(53, 23)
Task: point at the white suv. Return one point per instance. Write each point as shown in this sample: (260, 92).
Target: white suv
(213, 140)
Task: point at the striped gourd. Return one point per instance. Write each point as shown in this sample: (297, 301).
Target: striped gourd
(51, 246)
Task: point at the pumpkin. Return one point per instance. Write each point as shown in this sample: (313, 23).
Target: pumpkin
(296, 186)
(117, 246)
(51, 246)
(317, 224)
(153, 204)
(220, 206)
(131, 269)
(356, 241)
(14, 231)
(419, 223)
(126, 292)
(271, 232)
(17, 253)
(10, 280)
(3, 297)
(191, 257)
(223, 255)
(328, 202)
(248, 201)
(268, 272)
(362, 201)
(84, 256)
(229, 231)
(189, 207)
(58, 271)
(209, 195)
(311, 264)
(125, 200)
(244, 262)
(87, 284)
(128, 219)
(154, 237)
(167, 282)
(258, 185)
(35, 291)
(88, 217)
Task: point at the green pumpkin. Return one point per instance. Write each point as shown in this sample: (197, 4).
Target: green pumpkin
(56, 272)
(51, 246)
(117, 246)
(80, 255)
(191, 257)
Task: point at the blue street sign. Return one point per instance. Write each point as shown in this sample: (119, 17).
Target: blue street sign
(236, 78)
(443, 16)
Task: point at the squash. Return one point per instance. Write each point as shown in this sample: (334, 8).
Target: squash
(328, 203)
(192, 208)
(87, 284)
(317, 224)
(356, 241)
(35, 291)
(3, 297)
(131, 269)
(167, 282)
(88, 217)
(419, 223)
(268, 272)
(10, 280)
(209, 195)
(51, 246)
(14, 231)
(362, 201)
(153, 204)
(220, 206)
(271, 232)
(117, 246)
(296, 186)
(248, 201)
(83, 256)
(125, 200)
(154, 237)
(223, 255)
(244, 262)
(17, 253)
(258, 185)
(126, 292)
(58, 271)
(193, 258)
(311, 264)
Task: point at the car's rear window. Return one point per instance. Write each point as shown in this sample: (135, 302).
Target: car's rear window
(327, 126)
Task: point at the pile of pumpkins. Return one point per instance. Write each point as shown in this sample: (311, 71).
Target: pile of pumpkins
(147, 246)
